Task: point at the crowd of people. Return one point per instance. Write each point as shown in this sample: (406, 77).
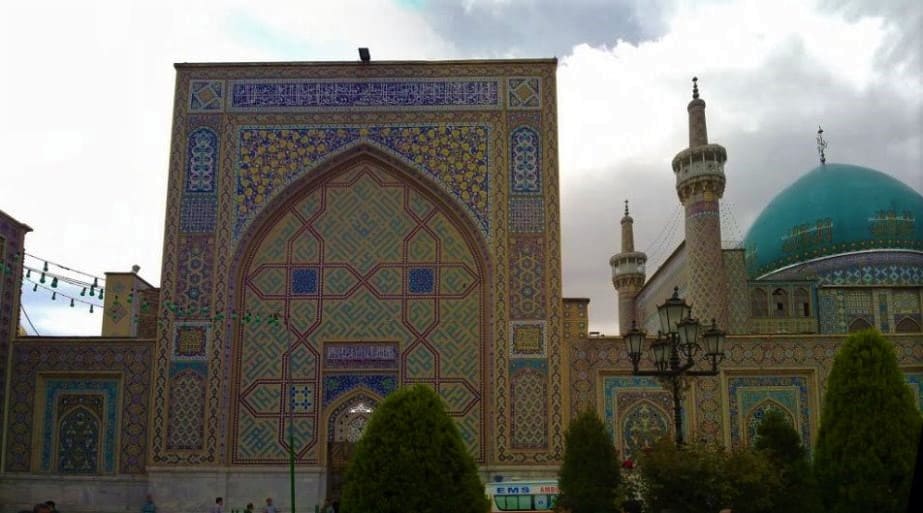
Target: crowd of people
(218, 507)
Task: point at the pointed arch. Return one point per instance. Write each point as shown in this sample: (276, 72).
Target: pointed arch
(315, 255)
(755, 415)
(907, 325)
(759, 303)
(859, 324)
(802, 302)
(79, 442)
(642, 424)
(780, 303)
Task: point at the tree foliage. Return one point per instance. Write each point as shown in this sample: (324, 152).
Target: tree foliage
(779, 440)
(589, 476)
(869, 430)
(699, 478)
(412, 458)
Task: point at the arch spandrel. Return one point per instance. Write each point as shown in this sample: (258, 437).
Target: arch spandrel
(363, 252)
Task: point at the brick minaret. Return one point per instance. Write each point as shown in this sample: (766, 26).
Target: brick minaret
(627, 273)
(699, 171)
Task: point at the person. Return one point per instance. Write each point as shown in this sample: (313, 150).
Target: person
(328, 507)
(218, 507)
(249, 508)
(41, 507)
(148, 506)
(52, 506)
(270, 508)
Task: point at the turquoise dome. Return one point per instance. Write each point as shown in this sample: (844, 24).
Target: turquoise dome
(834, 209)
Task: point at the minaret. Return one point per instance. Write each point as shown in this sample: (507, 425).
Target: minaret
(699, 171)
(627, 273)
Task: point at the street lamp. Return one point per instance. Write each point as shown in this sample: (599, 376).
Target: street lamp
(675, 349)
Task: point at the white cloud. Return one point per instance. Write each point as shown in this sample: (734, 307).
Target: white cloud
(88, 105)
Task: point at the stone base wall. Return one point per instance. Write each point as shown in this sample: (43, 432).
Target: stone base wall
(73, 494)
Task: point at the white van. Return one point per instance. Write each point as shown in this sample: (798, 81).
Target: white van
(539, 495)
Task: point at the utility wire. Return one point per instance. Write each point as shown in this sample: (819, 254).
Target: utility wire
(24, 313)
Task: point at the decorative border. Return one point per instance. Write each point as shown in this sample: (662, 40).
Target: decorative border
(375, 94)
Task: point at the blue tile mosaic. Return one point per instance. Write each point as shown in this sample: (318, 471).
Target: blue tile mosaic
(202, 160)
(108, 388)
(304, 281)
(339, 384)
(206, 95)
(525, 161)
(527, 214)
(316, 94)
(420, 280)
(198, 214)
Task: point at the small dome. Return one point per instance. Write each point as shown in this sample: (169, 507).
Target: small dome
(834, 209)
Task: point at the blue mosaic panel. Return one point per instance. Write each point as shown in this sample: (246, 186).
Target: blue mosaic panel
(78, 442)
(302, 398)
(274, 95)
(752, 395)
(420, 280)
(198, 366)
(304, 281)
(202, 160)
(525, 161)
(527, 214)
(338, 384)
(198, 214)
(108, 388)
(206, 96)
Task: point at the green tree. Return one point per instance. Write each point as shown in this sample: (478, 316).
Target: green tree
(869, 430)
(589, 477)
(700, 478)
(777, 438)
(412, 458)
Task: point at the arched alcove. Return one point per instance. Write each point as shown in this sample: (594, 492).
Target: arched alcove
(364, 252)
(641, 425)
(79, 441)
(755, 416)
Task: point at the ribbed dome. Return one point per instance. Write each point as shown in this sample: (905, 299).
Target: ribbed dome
(834, 209)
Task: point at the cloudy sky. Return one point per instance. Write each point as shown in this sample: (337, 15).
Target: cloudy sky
(88, 90)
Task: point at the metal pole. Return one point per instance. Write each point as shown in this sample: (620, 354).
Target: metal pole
(291, 424)
(677, 417)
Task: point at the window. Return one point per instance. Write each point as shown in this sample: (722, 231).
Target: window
(907, 325)
(859, 324)
(802, 303)
(780, 303)
(759, 303)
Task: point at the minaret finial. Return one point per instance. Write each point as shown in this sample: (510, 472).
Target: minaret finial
(821, 145)
(626, 207)
(695, 88)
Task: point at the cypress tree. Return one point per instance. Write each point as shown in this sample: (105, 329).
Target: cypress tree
(590, 474)
(869, 430)
(777, 438)
(412, 458)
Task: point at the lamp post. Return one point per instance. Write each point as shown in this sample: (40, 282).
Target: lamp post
(675, 350)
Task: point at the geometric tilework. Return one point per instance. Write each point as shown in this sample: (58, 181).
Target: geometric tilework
(527, 339)
(198, 214)
(206, 96)
(38, 362)
(524, 93)
(529, 405)
(370, 258)
(707, 285)
(202, 160)
(194, 282)
(525, 161)
(527, 214)
(527, 283)
(294, 95)
(749, 397)
(186, 405)
(915, 380)
(455, 156)
(79, 412)
(864, 268)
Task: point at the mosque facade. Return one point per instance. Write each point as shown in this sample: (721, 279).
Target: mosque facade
(334, 231)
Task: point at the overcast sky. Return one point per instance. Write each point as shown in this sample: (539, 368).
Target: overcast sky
(87, 95)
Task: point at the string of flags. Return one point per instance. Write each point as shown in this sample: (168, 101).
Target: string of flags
(89, 290)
